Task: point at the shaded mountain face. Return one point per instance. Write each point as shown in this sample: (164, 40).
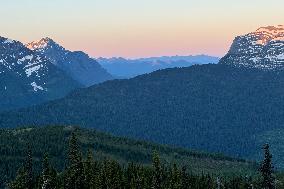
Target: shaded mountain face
(132, 67)
(262, 49)
(217, 108)
(27, 78)
(77, 65)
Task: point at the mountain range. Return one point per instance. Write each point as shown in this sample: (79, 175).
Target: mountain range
(216, 108)
(42, 71)
(126, 68)
(29, 78)
(77, 65)
(233, 107)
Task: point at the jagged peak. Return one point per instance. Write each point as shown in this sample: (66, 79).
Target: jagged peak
(262, 49)
(264, 35)
(42, 44)
(5, 40)
(274, 30)
(271, 28)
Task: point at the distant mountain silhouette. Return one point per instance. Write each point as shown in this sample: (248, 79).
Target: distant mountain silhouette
(126, 68)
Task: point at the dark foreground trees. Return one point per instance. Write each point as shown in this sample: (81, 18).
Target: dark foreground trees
(88, 173)
(24, 178)
(266, 170)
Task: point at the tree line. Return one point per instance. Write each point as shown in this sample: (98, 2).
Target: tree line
(87, 173)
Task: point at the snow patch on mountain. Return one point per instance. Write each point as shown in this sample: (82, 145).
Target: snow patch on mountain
(8, 41)
(34, 69)
(36, 87)
(77, 65)
(29, 78)
(28, 57)
(18, 60)
(262, 49)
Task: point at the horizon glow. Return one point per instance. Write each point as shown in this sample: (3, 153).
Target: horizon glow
(138, 28)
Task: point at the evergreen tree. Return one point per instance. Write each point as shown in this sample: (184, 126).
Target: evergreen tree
(248, 182)
(20, 181)
(266, 169)
(74, 153)
(113, 174)
(24, 178)
(110, 174)
(175, 178)
(134, 176)
(74, 178)
(29, 168)
(89, 168)
(101, 181)
(184, 178)
(48, 177)
(158, 172)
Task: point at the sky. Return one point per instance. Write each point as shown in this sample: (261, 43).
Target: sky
(138, 28)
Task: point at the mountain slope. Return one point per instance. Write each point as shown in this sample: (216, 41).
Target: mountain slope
(132, 67)
(262, 49)
(77, 65)
(188, 107)
(27, 78)
(54, 140)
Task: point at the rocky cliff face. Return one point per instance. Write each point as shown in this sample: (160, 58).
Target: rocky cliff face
(262, 49)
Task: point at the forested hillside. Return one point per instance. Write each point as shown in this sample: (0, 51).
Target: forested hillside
(210, 107)
(54, 141)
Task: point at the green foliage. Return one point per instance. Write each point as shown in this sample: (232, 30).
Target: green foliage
(74, 174)
(90, 170)
(48, 177)
(109, 174)
(158, 172)
(20, 181)
(24, 179)
(97, 147)
(267, 170)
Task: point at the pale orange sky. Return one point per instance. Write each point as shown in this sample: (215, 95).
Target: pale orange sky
(138, 28)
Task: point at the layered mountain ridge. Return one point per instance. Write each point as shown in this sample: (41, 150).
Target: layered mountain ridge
(77, 64)
(262, 49)
(127, 68)
(42, 71)
(216, 108)
(226, 108)
(27, 78)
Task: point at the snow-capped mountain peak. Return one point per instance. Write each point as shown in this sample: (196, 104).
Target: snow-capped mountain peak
(17, 59)
(77, 65)
(43, 44)
(28, 77)
(263, 48)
